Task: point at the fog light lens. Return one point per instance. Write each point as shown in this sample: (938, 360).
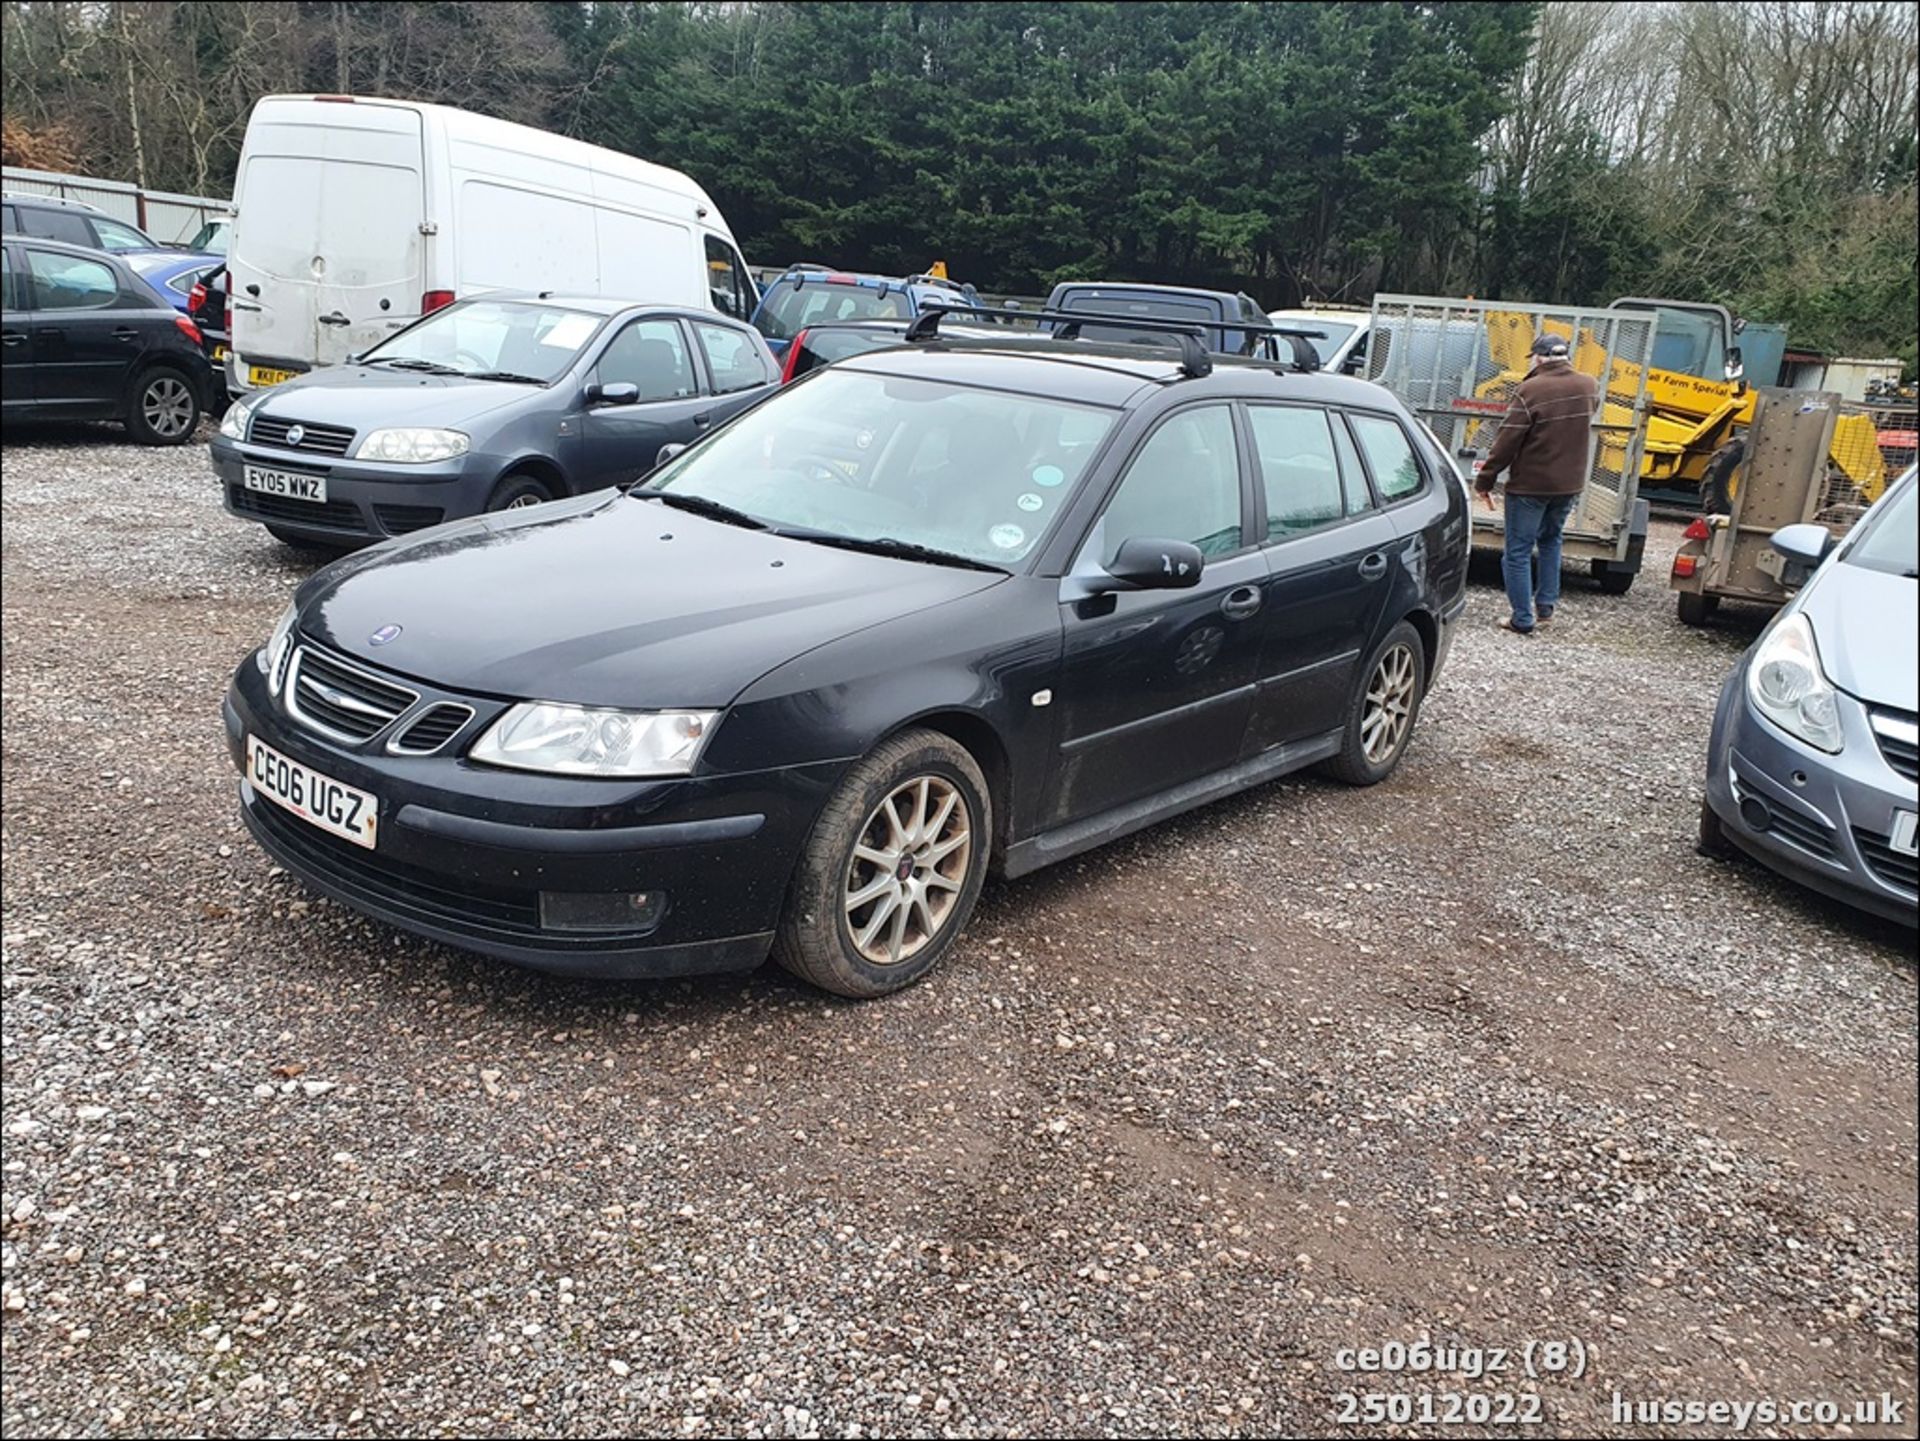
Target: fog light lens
(601, 910)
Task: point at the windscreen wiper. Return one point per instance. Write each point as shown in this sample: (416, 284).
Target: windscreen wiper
(503, 375)
(887, 545)
(407, 362)
(700, 505)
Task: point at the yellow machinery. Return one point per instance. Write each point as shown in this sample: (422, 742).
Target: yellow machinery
(1689, 415)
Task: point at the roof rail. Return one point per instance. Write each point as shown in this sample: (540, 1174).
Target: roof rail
(1194, 359)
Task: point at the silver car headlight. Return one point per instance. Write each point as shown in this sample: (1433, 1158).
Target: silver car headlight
(272, 657)
(239, 411)
(1788, 687)
(411, 445)
(577, 740)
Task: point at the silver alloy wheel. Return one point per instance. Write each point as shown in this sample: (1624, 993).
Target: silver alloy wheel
(167, 406)
(908, 867)
(521, 502)
(1389, 705)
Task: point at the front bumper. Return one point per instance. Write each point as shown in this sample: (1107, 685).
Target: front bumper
(365, 501)
(1827, 819)
(464, 853)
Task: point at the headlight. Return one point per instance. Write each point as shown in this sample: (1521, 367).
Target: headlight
(272, 657)
(233, 424)
(1788, 687)
(583, 741)
(411, 445)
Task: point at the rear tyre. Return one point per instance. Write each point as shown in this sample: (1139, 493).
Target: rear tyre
(1385, 706)
(163, 407)
(1712, 841)
(891, 870)
(515, 492)
(1696, 609)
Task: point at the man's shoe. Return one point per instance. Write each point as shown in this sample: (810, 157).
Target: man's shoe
(1508, 624)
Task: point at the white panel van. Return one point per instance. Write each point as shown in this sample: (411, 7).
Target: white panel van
(356, 216)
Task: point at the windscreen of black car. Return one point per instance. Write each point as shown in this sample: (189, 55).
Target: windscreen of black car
(975, 473)
(797, 302)
(1890, 539)
(823, 347)
(493, 335)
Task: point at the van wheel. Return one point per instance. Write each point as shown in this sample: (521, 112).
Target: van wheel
(891, 870)
(518, 491)
(1384, 707)
(163, 408)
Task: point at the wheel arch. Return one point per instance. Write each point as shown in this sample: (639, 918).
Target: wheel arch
(978, 737)
(1428, 628)
(542, 468)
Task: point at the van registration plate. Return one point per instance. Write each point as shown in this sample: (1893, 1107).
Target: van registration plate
(266, 375)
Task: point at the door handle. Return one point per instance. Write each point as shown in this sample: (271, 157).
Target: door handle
(126, 332)
(335, 319)
(1240, 603)
(1374, 566)
(703, 421)
(13, 337)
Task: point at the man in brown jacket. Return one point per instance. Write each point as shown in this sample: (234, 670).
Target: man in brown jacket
(1542, 446)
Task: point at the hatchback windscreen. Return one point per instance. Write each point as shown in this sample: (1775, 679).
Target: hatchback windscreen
(791, 306)
(491, 337)
(978, 474)
(1891, 540)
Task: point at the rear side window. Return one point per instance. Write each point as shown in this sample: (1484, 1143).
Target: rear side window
(9, 219)
(61, 225)
(651, 354)
(1299, 468)
(732, 357)
(115, 236)
(1389, 456)
(6, 282)
(71, 282)
(792, 305)
(727, 282)
(1183, 485)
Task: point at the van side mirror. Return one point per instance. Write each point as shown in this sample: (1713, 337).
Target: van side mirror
(667, 453)
(621, 392)
(1144, 563)
(1804, 544)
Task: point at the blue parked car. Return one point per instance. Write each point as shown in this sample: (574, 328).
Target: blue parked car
(173, 273)
(814, 295)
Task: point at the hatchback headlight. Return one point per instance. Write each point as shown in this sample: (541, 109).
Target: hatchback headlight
(1788, 687)
(411, 445)
(272, 657)
(585, 741)
(233, 424)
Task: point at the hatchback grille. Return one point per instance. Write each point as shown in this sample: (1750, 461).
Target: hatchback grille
(320, 439)
(1893, 867)
(439, 724)
(333, 695)
(402, 519)
(1901, 751)
(333, 515)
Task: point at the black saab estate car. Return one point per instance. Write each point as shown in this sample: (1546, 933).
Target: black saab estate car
(486, 404)
(947, 606)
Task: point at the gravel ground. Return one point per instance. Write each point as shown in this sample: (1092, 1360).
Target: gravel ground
(1485, 1054)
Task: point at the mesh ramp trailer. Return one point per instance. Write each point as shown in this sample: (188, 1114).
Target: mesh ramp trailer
(1456, 364)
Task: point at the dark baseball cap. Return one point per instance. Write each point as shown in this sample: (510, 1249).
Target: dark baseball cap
(1549, 347)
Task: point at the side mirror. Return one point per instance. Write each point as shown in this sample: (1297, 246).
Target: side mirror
(667, 453)
(1144, 563)
(623, 392)
(1736, 366)
(1355, 362)
(1804, 544)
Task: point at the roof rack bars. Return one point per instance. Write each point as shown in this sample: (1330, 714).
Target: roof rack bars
(1194, 359)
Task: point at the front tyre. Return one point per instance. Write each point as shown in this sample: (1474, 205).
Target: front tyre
(1381, 715)
(518, 491)
(891, 870)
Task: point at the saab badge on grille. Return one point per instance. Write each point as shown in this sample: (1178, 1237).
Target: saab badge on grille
(296, 434)
(383, 635)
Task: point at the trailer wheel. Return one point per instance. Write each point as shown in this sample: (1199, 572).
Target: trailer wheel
(1612, 579)
(1696, 609)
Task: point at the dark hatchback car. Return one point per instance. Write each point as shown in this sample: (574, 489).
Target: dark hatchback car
(485, 405)
(84, 338)
(936, 608)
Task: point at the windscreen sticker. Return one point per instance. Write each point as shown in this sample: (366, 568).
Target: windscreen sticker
(1007, 537)
(1030, 501)
(568, 331)
(1048, 475)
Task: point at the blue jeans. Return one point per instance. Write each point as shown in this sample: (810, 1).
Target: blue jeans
(1533, 520)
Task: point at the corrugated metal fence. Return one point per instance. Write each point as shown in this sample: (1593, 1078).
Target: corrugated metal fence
(167, 217)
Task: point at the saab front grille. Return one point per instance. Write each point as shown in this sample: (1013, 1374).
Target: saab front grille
(437, 725)
(1894, 867)
(341, 699)
(317, 439)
